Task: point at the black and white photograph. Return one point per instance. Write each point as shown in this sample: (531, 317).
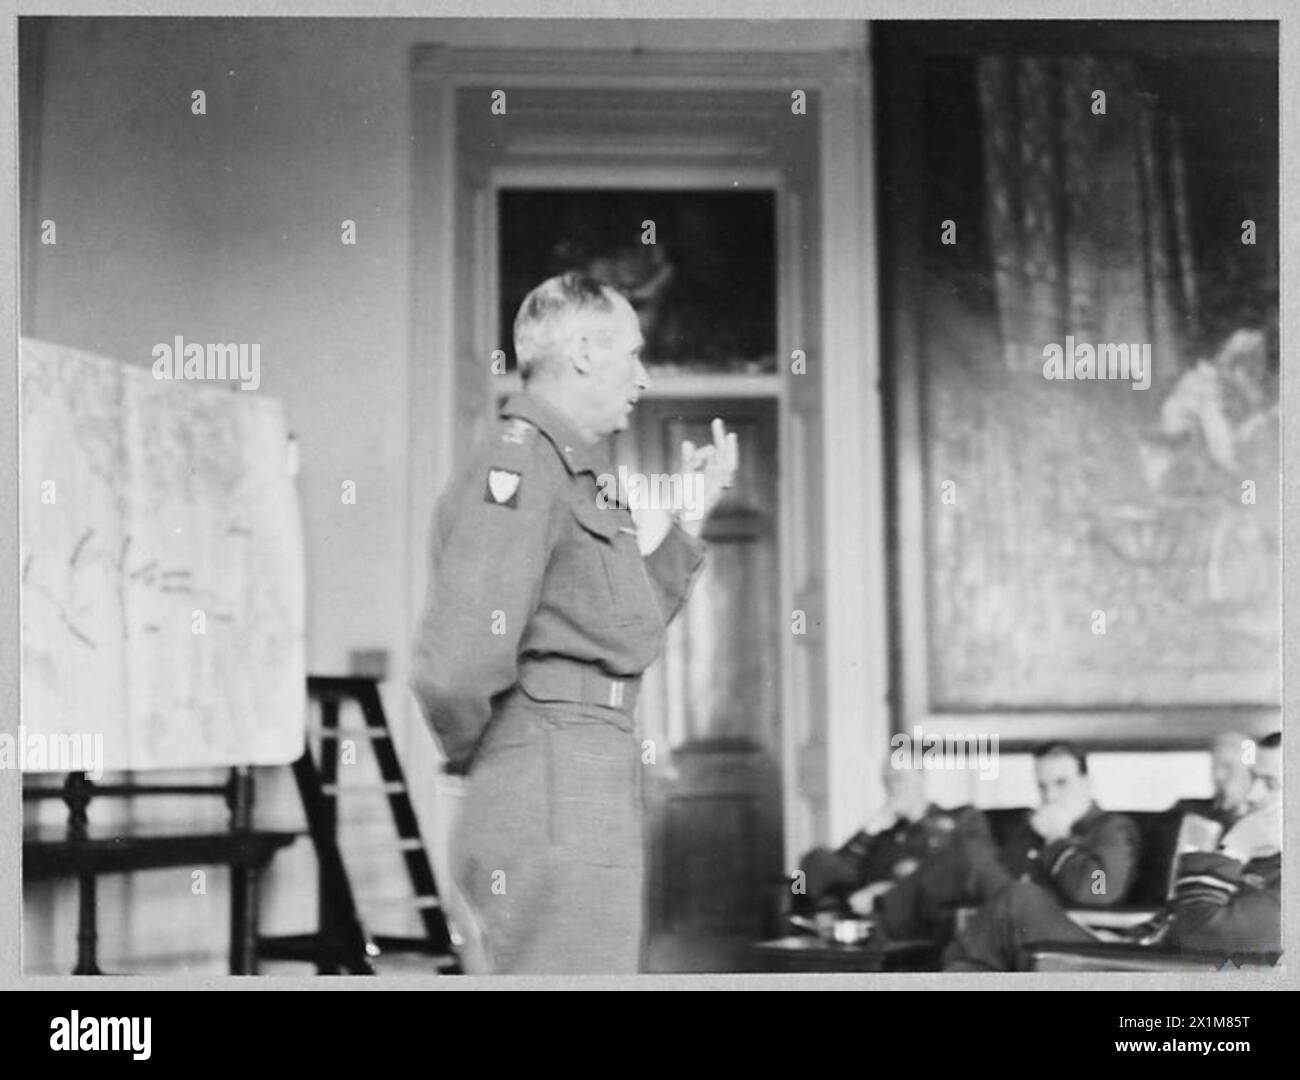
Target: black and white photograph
(558, 498)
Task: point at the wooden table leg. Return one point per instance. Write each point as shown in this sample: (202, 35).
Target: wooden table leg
(87, 935)
(243, 919)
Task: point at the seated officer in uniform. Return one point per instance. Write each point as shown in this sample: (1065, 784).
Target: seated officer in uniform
(1232, 780)
(1231, 898)
(1082, 855)
(1228, 899)
(907, 830)
(546, 602)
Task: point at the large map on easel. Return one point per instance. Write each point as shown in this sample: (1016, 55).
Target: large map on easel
(162, 566)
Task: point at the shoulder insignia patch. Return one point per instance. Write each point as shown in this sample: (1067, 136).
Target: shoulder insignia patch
(502, 487)
(517, 431)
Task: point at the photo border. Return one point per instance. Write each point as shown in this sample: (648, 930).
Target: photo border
(809, 10)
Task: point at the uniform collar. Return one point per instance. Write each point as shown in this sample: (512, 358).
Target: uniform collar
(930, 811)
(577, 455)
(1088, 817)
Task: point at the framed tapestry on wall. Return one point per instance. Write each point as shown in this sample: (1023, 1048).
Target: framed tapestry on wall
(1082, 314)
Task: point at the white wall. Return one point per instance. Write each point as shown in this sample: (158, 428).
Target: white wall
(1120, 781)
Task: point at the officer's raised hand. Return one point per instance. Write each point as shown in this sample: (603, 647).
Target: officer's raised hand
(708, 471)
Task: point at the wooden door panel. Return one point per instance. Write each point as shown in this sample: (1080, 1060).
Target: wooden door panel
(728, 667)
(708, 845)
(712, 705)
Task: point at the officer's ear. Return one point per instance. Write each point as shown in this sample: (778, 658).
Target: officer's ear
(580, 354)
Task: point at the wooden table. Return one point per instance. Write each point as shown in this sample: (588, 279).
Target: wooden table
(76, 852)
(808, 953)
(246, 852)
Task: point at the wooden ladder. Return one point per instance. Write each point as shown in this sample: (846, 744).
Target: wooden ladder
(342, 942)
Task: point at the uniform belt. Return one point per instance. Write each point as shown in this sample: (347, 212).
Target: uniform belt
(557, 678)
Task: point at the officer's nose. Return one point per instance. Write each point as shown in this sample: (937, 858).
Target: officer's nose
(642, 376)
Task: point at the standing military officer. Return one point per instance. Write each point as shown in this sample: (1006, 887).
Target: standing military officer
(546, 602)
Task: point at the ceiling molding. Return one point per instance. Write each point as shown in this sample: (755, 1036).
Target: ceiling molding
(604, 146)
(636, 69)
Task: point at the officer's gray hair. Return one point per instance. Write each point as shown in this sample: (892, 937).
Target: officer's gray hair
(545, 316)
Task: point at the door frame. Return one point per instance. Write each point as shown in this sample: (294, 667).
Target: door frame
(836, 726)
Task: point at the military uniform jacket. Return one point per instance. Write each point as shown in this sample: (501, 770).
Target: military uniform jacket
(1099, 842)
(867, 858)
(536, 581)
(1221, 904)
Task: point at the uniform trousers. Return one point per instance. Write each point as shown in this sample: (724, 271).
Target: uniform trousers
(996, 936)
(546, 850)
(924, 904)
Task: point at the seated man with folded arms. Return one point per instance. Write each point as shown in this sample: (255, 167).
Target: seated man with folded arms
(1081, 855)
(907, 830)
(1225, 899)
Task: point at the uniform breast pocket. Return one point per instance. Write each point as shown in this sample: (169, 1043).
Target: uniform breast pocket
(611, 551)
